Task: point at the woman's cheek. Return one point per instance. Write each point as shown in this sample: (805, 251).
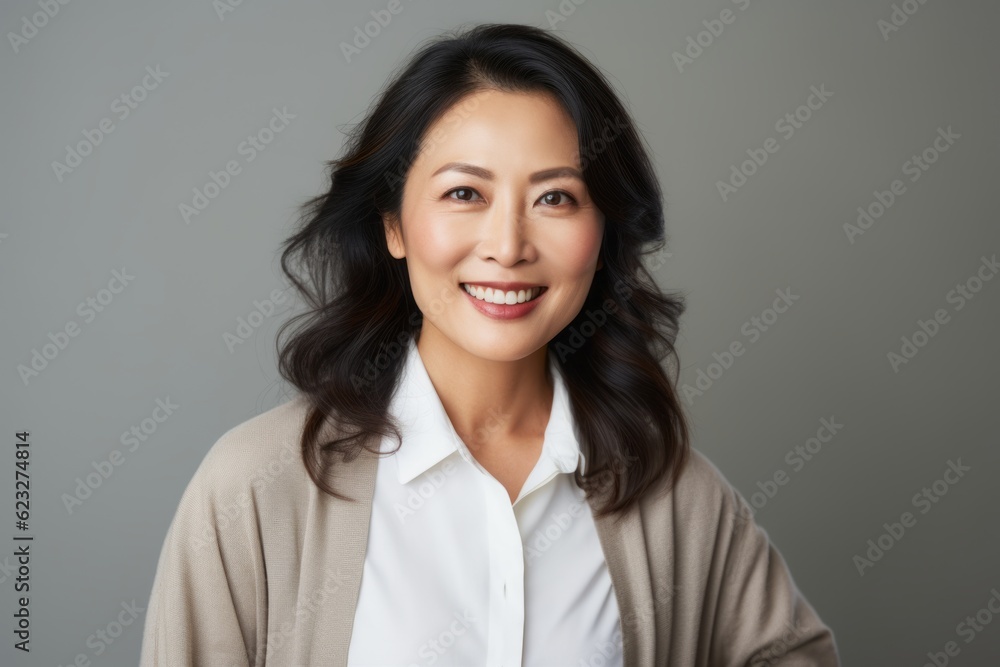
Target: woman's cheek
(437, 239)
(578, 252)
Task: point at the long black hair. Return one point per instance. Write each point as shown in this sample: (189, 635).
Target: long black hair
(346, 351)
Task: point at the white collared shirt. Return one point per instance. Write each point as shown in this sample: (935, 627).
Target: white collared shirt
(457, 576)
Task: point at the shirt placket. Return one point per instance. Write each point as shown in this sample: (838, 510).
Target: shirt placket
(507, 563)
(506, 589)
(505, 625)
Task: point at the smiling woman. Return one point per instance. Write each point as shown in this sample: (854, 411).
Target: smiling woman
(517, 240)
(477, 297)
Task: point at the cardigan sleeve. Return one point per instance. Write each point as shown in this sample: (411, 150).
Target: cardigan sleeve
(761, 617)
(208, 600)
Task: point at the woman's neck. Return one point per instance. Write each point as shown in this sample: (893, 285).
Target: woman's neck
(488, 401)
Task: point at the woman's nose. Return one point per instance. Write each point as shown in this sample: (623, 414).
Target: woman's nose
(505, 232)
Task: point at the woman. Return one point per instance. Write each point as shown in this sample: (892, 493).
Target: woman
(477, 300)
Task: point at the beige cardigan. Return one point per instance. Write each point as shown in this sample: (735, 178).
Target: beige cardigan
(260, 567)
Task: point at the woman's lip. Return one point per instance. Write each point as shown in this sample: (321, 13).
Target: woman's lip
(542, 289)
(503, 311)
(505, 286)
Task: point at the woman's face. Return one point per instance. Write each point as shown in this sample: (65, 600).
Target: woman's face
(496, 196)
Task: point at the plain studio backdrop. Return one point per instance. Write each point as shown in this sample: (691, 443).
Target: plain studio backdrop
(829, 171)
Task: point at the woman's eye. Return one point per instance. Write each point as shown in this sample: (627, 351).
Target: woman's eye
(463, 194)
(552, 198)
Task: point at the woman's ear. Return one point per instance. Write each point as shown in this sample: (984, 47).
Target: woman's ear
(393, 236)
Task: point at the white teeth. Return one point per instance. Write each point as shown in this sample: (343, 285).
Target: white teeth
(491, 295)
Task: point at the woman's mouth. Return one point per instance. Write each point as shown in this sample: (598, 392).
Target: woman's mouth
(504, 305)
(503, 297)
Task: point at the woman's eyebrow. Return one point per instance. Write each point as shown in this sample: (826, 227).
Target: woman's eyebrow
(486, 174)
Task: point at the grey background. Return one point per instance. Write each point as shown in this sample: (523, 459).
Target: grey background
(163, 335)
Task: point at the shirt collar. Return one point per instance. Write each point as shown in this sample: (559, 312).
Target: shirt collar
(429, 436)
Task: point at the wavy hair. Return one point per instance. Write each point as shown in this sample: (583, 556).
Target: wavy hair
(345, 353)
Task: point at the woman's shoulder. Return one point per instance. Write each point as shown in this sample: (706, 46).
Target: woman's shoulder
(703, 478)
(258, 459)
(702, 497)
(259, 439)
